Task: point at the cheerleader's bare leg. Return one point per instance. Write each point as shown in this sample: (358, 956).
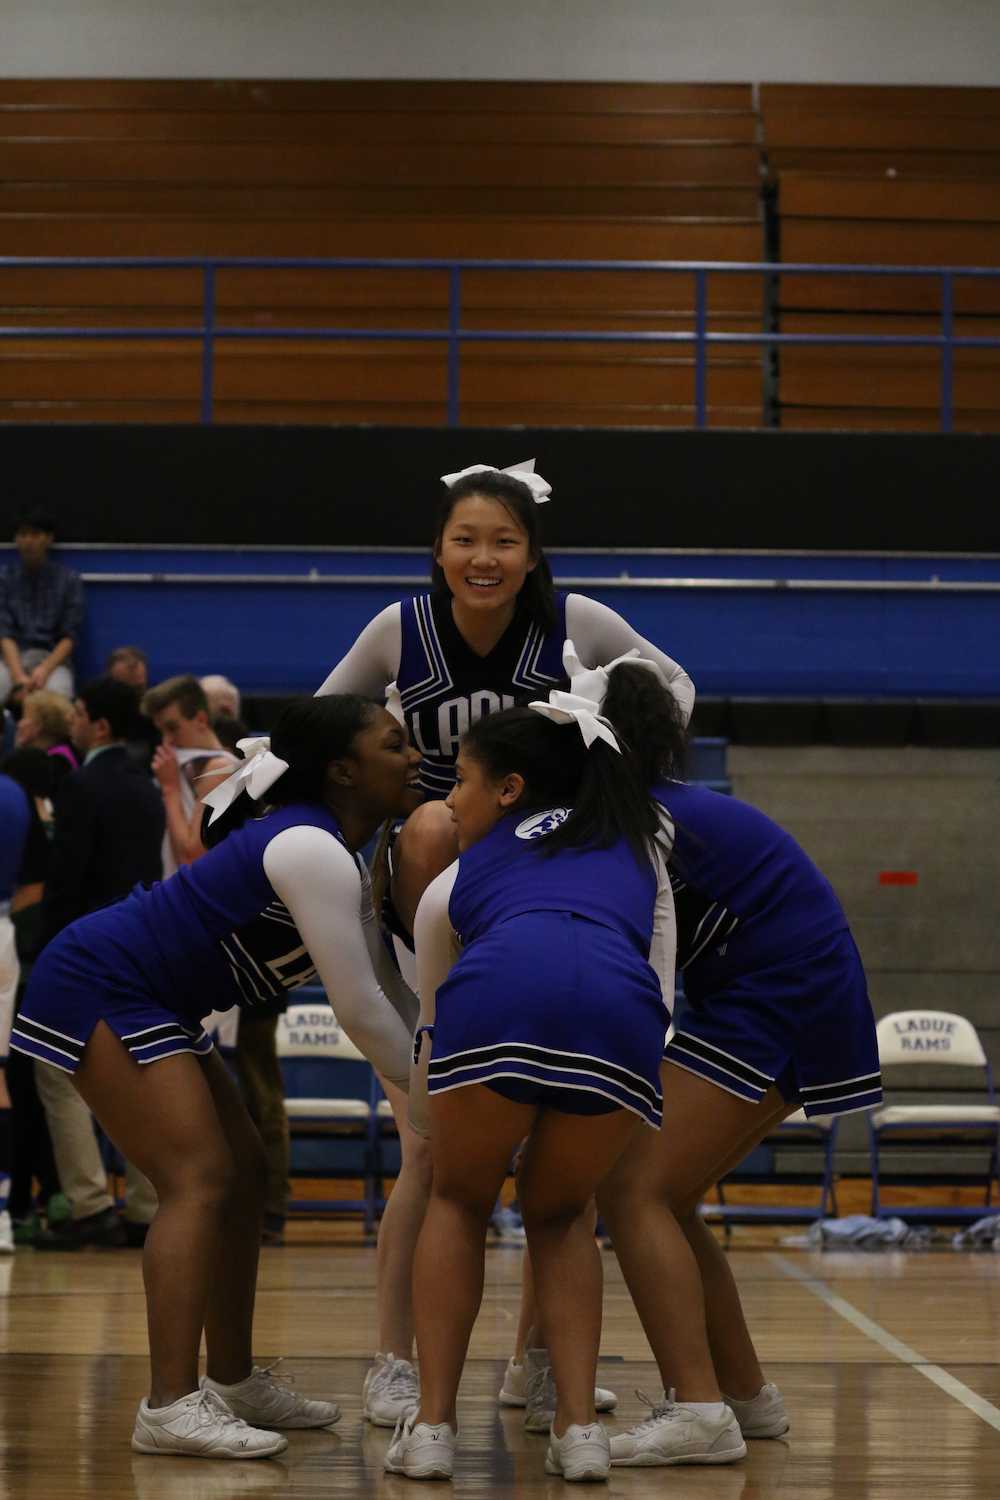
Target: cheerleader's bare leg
(474, 1131)
(683, 1288)
(427, 845)
(399, 1231)
(565, 1159)
(229, 1316)
(166, 1119)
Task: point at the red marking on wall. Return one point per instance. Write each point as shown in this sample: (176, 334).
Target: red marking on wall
(897, 877)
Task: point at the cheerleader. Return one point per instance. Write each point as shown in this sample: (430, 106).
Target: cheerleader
(778, 1018)
(115, 1001)
(548, 1026)
(490, 635)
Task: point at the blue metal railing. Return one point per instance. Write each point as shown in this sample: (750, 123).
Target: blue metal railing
(210, 331)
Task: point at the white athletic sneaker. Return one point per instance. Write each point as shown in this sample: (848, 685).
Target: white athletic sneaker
(678, 1434)
(762, 1417)
(514, 1391)
(263, 1400)
(390, 1391)
(421, 1451)
(201, 1424)
(6, 1234)
(581, 1453)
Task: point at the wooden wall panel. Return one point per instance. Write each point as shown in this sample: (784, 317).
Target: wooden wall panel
(879, 98)
(459, 238)
(920, 200)
(406, 94)
(482, 164)
(366, 125)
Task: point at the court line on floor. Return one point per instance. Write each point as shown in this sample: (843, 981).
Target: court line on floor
(982, 1408)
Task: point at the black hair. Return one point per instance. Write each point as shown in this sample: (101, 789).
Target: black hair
(31, 769)
(35, 518)
(229, 731)
(106, 698)
(606, 798)
(647, 718)
(538, 593)
(308, 734)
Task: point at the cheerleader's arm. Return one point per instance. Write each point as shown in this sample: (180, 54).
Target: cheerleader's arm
(373, 661)
(437, 948)
(319, 882)
(663, 948)
(600, 634)
(393, 984)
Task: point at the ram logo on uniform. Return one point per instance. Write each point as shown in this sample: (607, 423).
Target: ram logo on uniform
(539, 824)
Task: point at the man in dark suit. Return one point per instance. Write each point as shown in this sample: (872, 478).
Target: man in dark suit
(109, 825)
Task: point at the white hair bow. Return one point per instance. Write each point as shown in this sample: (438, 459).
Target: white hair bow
(394, 703)
(571, 708)
(258, 773)
(525, 472)
(592, 682)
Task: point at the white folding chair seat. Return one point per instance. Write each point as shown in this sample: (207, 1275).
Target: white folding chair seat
(327, 1109)
(943, 1041)
(936, 1114)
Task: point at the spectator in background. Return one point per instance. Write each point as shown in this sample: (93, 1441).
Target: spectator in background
(15, 820)
(129, 664)
(108, 837)
(41, 612)
(230, 732)
(223, 696)
(32, 1159)
(189, 762)
(46, 723)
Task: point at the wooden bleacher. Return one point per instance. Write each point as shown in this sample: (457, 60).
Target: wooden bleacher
(885, 176)
(395, 169)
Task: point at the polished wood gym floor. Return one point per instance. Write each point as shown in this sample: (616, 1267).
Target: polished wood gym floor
(888, 1363)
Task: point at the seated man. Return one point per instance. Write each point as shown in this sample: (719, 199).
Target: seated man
(41, 612)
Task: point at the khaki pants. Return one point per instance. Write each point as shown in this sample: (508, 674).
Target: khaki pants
(78, 1160)
(259, 1073)
(60, 681)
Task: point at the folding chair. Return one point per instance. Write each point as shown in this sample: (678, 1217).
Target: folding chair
(934, 1040)
(330, 1098)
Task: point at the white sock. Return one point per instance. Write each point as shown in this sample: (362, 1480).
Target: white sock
(714, 1410)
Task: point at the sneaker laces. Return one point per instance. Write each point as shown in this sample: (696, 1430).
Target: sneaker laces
(658, 1410)
(267, 1371)
(211, 1410)
(401, 1379)
(541, 1388)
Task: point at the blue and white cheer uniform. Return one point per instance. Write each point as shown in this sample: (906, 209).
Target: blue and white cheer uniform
(559, 965)
(445, 687)
(775, 985)
(277, 903)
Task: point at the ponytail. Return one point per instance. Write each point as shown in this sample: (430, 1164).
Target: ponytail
(607, 800)
(647, 719)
